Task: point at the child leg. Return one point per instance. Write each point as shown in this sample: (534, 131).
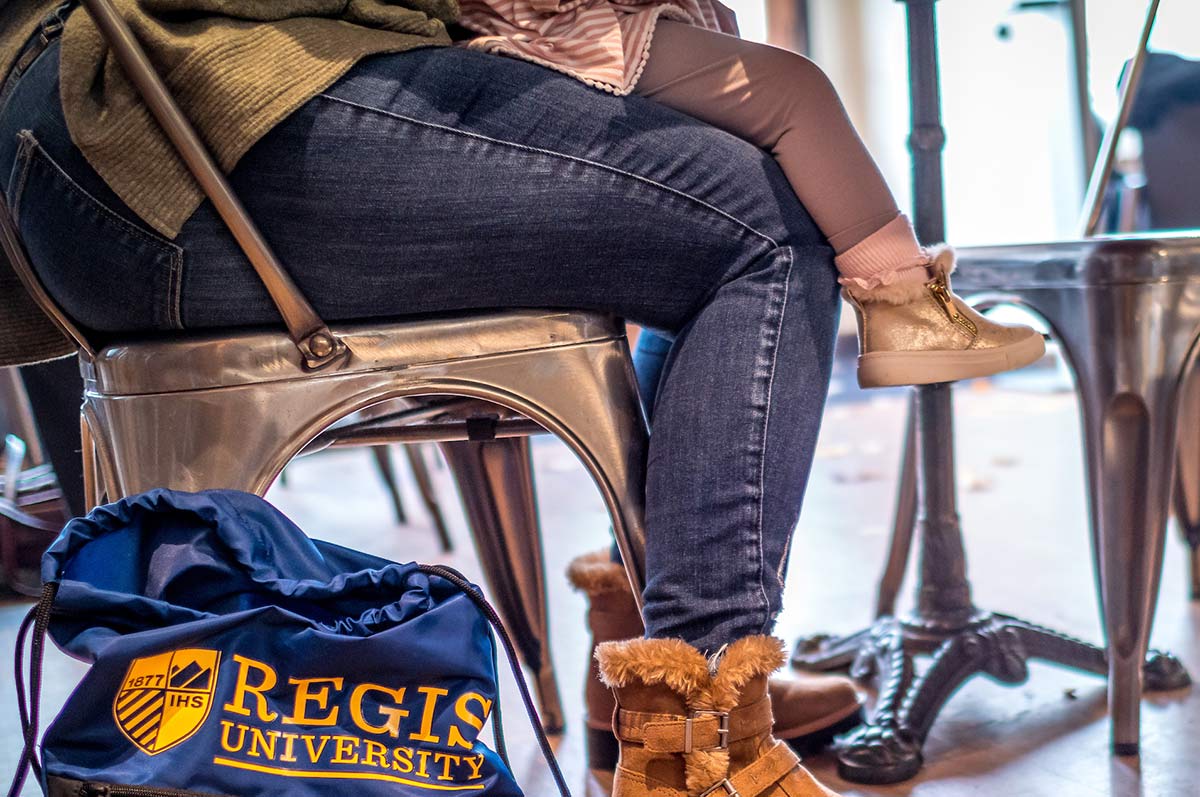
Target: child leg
(783, 103)
(913, 330)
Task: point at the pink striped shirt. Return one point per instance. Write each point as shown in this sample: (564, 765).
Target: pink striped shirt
(604, 43)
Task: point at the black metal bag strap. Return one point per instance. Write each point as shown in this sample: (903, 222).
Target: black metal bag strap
(471, 591)
(29, 703)
(318, 346)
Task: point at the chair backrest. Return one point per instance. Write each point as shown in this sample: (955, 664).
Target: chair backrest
(1106, 160)
(1172, 162)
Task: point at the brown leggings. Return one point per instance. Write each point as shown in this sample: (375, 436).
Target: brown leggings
(783, 103)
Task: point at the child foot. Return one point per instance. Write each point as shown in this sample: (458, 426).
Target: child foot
(920, 333)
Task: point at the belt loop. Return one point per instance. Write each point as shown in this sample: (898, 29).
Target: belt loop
(50, 29)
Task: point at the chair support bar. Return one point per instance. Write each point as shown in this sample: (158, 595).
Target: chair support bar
(318, 346)
(434, 433)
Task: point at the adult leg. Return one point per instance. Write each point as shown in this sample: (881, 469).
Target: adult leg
(445, 180)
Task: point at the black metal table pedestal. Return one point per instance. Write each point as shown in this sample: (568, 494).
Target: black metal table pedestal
(962, 640)
(889, 748)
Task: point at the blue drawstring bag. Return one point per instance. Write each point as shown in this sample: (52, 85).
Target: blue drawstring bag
(232, 655)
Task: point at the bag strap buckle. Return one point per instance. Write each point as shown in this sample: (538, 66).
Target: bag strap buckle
(722, 718)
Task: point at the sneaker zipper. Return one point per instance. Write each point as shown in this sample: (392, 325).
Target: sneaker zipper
(941, 292)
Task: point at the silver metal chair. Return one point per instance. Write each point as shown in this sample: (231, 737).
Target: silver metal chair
(229, 410)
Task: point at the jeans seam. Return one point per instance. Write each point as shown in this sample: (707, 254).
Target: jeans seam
(175, 290)
(25, 163)
(762, 454)
(565, 156)
(30, 149)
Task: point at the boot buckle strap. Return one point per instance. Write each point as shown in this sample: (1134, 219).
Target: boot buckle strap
(722, 718)
(729, 789)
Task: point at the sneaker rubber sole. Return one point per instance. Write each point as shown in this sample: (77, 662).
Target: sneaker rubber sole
(896, 368)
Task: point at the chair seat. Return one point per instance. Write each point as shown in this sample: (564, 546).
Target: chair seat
(211, 360)
(1103, 261)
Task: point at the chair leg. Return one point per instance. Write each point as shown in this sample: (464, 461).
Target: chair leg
(420, 471)
(495, 479)
(1186, 498)
(91, 465)
(900, 547)
(1195, 572)
(1186, 506)
(383, 462)
(600, 419)
(1130, 488)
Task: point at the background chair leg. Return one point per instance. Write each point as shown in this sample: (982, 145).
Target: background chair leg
(1186, 498)
(1195, 567)
(420, 471)
(1186, 508)
(900, 547)
(91, 466)
(383, 461)
(495, 479)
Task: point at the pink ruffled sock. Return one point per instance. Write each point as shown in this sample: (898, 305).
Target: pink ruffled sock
(889, 255)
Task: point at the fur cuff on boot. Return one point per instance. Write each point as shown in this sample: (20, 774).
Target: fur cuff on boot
(941, 264)
(714, 684)
(596, 573)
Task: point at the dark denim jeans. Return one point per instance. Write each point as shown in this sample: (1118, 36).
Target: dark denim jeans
(446, 179)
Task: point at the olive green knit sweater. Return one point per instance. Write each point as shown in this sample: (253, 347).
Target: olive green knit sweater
(237, 67)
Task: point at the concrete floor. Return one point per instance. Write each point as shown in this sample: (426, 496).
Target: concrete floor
(1023, 508)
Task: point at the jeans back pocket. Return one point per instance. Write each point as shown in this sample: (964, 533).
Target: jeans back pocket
(106, 272)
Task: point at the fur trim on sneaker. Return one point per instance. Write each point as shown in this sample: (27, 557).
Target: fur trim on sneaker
(941, 264)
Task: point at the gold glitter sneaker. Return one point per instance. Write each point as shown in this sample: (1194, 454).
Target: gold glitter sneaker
(915, 333)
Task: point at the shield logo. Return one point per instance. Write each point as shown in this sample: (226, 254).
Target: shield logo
(164, 699)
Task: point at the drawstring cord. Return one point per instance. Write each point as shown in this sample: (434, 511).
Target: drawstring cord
(29, 705)
(472, 592)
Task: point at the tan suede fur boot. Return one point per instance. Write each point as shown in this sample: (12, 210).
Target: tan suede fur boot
(695, 727)
(914, 333)
(612, 616)
(809, 709)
